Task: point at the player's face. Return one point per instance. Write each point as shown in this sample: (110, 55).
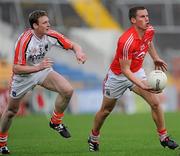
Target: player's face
(43, 25)
(142, 19)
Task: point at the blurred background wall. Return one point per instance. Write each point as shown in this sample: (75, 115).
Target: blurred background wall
(96, 26)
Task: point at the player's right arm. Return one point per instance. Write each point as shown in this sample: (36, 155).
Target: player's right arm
(20, 64)
(124, 53)
(125, 50)
(25, 69)
(125, 67)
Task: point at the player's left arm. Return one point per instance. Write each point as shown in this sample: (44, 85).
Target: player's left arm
(158, 62)
(80, 55)
(64, 42)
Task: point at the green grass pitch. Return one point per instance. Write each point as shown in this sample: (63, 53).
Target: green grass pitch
(121, 135)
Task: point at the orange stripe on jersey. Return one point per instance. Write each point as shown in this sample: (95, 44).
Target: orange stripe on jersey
(63, 41)
(21, 46)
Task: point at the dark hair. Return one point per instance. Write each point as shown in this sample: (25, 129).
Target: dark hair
(35, 15)
(133, 11)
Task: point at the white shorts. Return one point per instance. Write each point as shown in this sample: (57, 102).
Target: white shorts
(21, 84)
(116, 85)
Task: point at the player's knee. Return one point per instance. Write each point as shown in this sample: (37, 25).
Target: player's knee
(69, 92)
(11, 112)
(155, 106)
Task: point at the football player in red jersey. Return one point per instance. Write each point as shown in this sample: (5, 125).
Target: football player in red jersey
(126, 72)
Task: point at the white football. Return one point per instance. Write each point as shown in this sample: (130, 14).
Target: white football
(157, 79)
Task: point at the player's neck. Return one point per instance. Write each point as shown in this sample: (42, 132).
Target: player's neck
(38, 35)
(140, 32)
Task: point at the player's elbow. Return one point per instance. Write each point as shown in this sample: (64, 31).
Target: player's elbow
(15, 69)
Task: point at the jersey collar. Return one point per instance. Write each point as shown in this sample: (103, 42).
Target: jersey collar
(135, 33)
(40, 39)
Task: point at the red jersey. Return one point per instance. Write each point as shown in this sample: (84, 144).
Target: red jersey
(131, 47)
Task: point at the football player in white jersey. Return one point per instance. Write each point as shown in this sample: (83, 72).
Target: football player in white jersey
(32, 68)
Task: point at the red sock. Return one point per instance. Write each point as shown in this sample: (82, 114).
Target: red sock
(162, 134)
(57, 117)
(95, 133)
(162, 131)
(3, 139)
(94, 136)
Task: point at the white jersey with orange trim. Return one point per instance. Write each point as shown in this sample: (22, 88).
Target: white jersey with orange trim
(31, 50)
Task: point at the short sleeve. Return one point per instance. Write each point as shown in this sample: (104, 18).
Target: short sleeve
(124, 48)
(21, 47)
(61, 39)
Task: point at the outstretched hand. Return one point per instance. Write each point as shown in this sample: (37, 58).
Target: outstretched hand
(81, 57)
(160, 65)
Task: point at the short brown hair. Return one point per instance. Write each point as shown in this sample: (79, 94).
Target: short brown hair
(34, 16)
(133, 11)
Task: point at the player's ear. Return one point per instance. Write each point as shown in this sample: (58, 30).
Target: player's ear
(133, 20)
(35, 25)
